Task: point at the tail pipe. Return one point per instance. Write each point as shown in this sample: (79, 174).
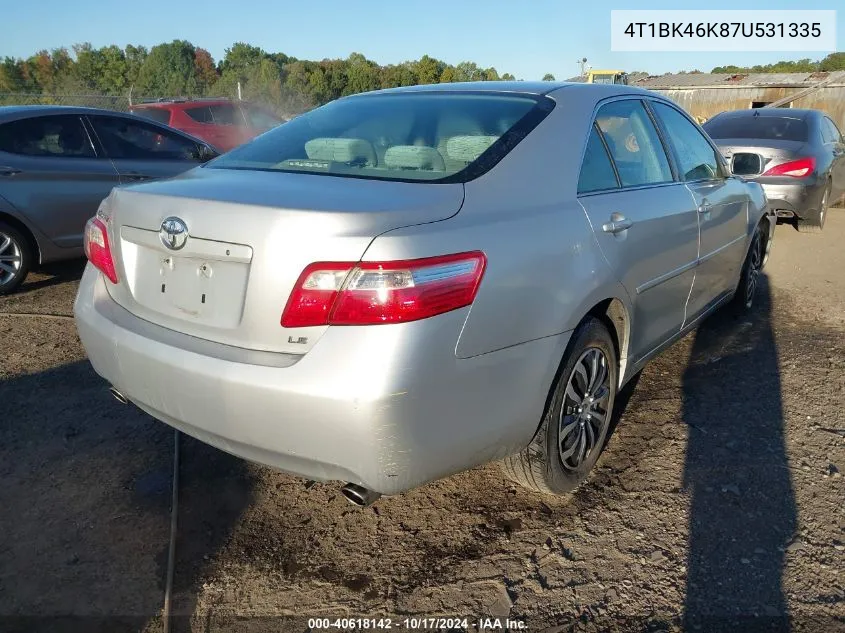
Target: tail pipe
(359, 496)
(118, 396)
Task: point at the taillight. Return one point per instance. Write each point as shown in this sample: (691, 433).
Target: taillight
(800, 168)
(97, 248)
(369, 293)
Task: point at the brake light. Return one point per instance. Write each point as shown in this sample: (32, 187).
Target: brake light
(800, 168)
(97, 248)
(370, 293)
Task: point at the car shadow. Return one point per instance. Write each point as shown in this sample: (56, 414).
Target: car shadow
(53, 274)
(743, 509)
(85, 504)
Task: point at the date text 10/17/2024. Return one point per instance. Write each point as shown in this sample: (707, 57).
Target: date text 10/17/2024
(416, 623)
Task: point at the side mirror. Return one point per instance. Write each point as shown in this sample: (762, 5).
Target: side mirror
(746, 164)
(205, 153)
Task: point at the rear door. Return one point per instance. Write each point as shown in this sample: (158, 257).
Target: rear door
(645, 222)
(221, 124)
(51, 173)
(142, 150)
(722, 205)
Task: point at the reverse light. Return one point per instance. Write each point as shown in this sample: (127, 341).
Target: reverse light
(370, 293)
(800, 168)
(98, 249)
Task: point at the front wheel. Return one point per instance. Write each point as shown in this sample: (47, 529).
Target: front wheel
(575, 426)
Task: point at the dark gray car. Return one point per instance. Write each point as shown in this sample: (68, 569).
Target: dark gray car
(798, 156)
(56, 166)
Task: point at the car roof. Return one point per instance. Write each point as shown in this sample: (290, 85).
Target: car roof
(168, 104)
(8, 113)
(518, 87)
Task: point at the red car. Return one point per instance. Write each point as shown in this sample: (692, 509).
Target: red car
(222, 123)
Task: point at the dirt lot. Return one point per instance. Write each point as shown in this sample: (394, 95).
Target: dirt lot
(717, 506)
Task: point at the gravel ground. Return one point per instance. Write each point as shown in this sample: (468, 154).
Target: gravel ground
(718, 504)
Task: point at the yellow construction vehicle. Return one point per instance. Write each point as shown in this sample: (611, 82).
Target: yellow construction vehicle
(607, 77)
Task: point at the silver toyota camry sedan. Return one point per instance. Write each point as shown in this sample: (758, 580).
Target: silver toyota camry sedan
(405, 284)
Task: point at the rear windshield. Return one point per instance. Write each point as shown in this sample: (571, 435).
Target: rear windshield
(159, 115)
(783, 128)
(435, 137)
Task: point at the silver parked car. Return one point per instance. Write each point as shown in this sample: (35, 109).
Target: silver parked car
(404, 284)
(798, 156)
(57, 164)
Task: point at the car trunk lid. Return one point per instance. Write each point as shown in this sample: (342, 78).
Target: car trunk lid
(249, 236)
(741, 152)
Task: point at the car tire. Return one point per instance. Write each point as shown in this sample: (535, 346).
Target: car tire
(572, 434)
(749, 280)
(815, 224)
(15, 258)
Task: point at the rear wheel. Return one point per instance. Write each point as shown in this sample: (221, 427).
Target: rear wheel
(575, 426)
(15, 258)
(750, 277)
(815, 224)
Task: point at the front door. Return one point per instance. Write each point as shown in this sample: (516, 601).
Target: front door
(645, 222)
(722, 205)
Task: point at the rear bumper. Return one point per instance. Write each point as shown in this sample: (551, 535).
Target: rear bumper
(793, 199)
(388, 407)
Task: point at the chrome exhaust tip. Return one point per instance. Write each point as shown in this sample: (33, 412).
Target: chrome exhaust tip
(359, 496)
(118, 396)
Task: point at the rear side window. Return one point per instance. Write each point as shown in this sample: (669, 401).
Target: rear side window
(225, 114)
(124, 138)
(784, 128)
(436, 136)
(597, 171)
(159, 115)
(60, 136)
(633, 143)
(832, 133)
(696, 157)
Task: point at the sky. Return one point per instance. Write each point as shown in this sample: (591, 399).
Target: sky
(528, 38)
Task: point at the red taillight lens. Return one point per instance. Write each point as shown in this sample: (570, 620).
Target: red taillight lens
(369, 293)
(800, 168)
(97, 248)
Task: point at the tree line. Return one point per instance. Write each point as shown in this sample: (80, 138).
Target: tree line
(181, 69)
(834, 61)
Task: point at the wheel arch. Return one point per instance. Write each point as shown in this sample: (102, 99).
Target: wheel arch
(21, 226)
(613, 313)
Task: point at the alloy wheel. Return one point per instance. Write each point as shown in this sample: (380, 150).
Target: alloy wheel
(11, 259)
(584, 411)
(755, 263)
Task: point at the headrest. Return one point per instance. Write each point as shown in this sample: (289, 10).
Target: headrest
(468, 148)
(414, 157)
(341, 150)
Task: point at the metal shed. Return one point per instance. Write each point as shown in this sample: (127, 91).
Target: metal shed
(706, 94)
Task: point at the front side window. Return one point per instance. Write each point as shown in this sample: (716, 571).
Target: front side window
(127, 139)
(225, 114)
(60, 136)
(697, 159)
(259, 119)
(441, 137)
(596, 171)
(633, 143)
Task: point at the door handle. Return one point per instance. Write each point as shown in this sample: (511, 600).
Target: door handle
(134, 175)
(704, 207)
(9, 171)
(617, 224)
